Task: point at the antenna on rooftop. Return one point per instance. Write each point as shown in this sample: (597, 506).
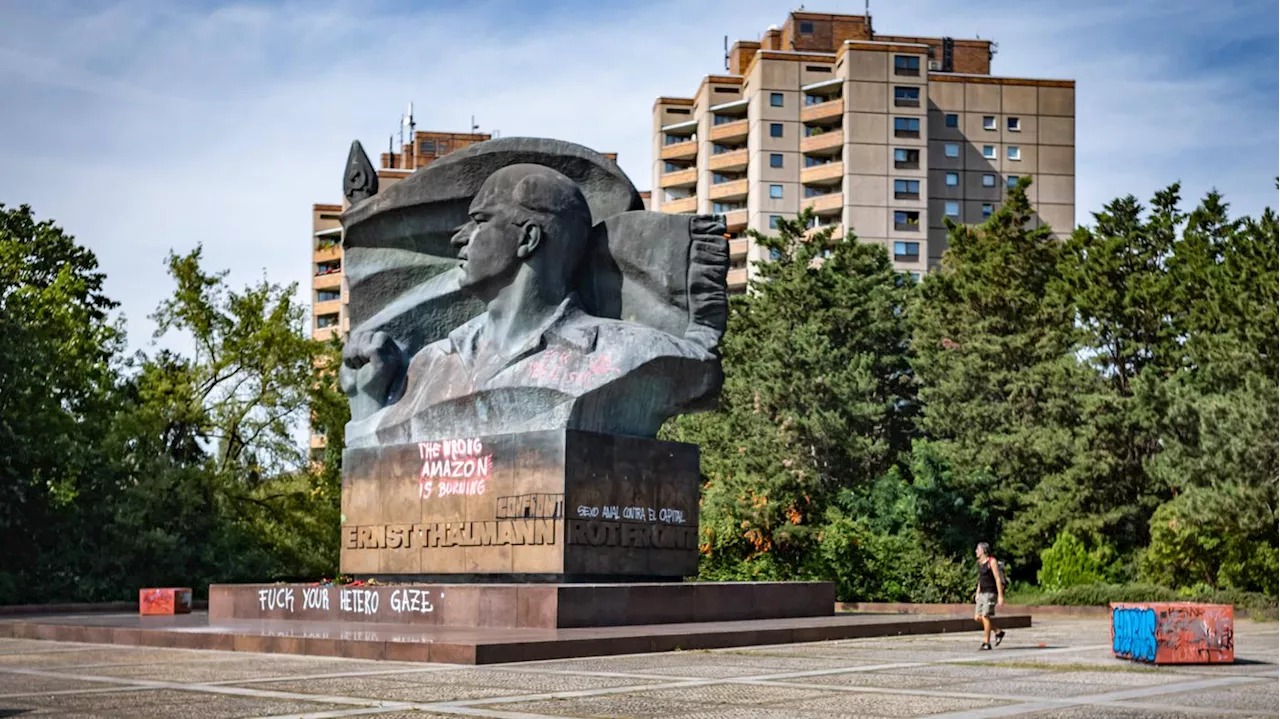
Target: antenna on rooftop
(474, 126)
(412, 125)
(726, 53)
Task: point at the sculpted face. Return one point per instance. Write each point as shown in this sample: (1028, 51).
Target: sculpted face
(490, 242)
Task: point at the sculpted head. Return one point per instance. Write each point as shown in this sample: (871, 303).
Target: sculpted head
(523, 215)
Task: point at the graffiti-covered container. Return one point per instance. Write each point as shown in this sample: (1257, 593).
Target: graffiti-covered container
(1173, 632)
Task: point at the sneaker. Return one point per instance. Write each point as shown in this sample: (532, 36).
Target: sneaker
(985, 646)
(999, 637)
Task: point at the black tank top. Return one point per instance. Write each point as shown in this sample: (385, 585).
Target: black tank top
(986, 578)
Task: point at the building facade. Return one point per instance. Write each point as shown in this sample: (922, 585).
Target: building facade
(884, 135)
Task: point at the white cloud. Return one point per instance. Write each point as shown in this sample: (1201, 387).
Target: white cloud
(141, 127)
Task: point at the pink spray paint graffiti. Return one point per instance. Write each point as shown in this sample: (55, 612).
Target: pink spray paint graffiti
(453, 467)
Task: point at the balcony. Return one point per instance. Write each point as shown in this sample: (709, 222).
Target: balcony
(824, 204)
(728, 190)
(837, 231)
(687, 150)
(735, 221)
(831, 173)
(680, 178)
(735, 160)
(328, 281)
(327, 252)
(737, 278)
(828, 143)
(829, 110)
(328, 307)
(684, 204)
(738, 247)
(729, 131)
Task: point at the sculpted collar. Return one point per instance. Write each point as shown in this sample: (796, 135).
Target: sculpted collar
(569, 326)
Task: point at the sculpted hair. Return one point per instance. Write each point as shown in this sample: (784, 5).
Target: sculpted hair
(557, 204)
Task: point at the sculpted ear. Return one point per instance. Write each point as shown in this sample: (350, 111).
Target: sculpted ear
(530, 238)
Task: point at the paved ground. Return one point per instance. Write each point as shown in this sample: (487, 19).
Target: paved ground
(1059, 668)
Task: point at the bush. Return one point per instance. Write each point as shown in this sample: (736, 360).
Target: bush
(1070, 562)
(871, 566)
(1253, 604)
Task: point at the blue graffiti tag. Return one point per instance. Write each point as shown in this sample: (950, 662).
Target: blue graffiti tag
(1133, 633)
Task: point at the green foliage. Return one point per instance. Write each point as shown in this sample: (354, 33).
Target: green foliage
(1070, 562)
(1256, 605)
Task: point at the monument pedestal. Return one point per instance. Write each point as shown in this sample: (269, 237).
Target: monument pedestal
(548, 506)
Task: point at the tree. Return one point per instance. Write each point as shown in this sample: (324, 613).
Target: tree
(817, 397)
(994, 341)
(56, 380)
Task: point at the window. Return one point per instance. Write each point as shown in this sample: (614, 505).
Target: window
(328, 268)
(906, 65)
(906, 127)
(989, 152)
(953, 179)
(774, 220)
(806, 27)
(717, 149)
(907, 221)
(987, 209)
(818, 191)
(951, 149)
(775, 192)
(1015, 124)
(723, 119)
(427, 147)
(906, 97)
(906, 251)
(717, 178)
(988, 122)
(671, 167)
(813, 99)
(727, 90)
(906, 189)
(811, 161)
(1011, 182)
(817, 68)
(323, 321)
(951, 209)
(988, 180)
(915, 275)
(722, 207)
(905, 159)
(775, 99)
(1015, 152)
(775, 160)
(327, 295)
(774, 254)
(675, 139)
(679, 110)
(775, 129)
(951, 120)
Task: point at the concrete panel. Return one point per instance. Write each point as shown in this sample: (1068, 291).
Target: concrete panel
(947, 96)
(1025, 166)
(866, 65)
(1018, 99)
(775, 74)
(938, 184)
(791, 104)
(937, 245)
(975, 190)
(869, 190)
(863, 127)
(1057, 189)
(867, 222)
(974, 159)
(973, 209)
(1057, 159)
(922, 108)
(760, 140)
(1056, 130)
(867, 159)
(1057, 101)
(938, 159)
(972, 122)
(982, 98)
(1026, 132)
(867, 96)
(1060, 217)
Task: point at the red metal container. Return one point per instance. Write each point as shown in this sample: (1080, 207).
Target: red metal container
(164, 601)
(1173, 632)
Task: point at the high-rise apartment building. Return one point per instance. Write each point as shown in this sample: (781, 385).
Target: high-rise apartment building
(884, 135)
(328, 291)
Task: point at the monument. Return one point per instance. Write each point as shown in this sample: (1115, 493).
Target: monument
(503, 423)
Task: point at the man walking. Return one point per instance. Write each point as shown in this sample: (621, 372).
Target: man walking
(990, 594)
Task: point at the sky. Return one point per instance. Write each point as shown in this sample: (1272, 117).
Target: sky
(142, 127)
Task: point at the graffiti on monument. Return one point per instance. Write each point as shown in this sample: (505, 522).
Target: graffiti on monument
(453, 467)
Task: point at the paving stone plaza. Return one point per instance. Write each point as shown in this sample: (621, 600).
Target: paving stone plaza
(1060, 668)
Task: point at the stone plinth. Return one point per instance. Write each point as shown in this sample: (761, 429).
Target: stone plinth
(551, 506)
(546, 606)
(1173, 632)
(170, 600)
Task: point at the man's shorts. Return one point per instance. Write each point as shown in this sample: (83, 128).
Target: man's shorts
(986, 605)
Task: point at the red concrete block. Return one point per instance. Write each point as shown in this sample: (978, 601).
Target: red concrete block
(1173, 632)
(164, 601)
